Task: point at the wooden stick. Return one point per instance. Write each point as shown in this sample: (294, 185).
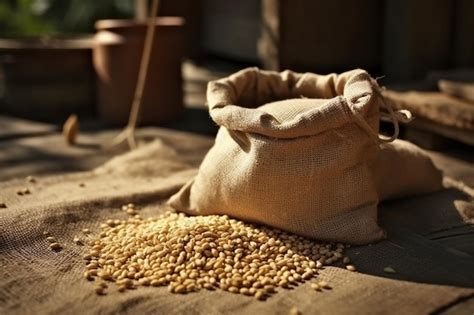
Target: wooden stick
(141, 10)
(129, 132)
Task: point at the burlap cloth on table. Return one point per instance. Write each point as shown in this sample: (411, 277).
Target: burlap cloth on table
(36, 280)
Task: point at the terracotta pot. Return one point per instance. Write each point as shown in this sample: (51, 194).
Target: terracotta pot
(47, 79)
(117, 54)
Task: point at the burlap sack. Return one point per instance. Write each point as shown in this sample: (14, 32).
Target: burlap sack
(402, 169)
(300, 163)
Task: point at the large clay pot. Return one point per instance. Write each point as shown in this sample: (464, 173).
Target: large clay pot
(47, 78)
(117, 54)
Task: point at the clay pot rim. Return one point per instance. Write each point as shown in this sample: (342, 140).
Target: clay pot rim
(61, 42)
(162, 21)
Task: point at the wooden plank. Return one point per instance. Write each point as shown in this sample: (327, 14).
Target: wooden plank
(420, 125)
(464, 306)
(464, 34)
(413, 43)
(321, 36)
(460, 268)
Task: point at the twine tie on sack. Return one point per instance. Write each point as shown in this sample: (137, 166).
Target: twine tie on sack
(396, 117)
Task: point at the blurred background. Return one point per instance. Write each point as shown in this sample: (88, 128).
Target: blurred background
(81, 57)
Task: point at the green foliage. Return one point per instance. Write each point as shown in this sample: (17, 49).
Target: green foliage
(50, 17)
(17, 18)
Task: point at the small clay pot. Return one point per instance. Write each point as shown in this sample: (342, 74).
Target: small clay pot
(117, 55)
(48, 78)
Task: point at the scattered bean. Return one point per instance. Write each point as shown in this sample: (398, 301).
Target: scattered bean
(295, 311)
(55, 246)
(77, 241)
(203, 252)
(389, 269)
(100, 290)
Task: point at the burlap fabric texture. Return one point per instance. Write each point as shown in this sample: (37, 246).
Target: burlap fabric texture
(294, 151)
(402, 169)
(36, 280)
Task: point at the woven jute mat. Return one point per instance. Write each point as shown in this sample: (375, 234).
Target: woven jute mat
(36, 280)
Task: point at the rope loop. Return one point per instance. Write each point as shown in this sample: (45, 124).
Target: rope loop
(395, 116)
